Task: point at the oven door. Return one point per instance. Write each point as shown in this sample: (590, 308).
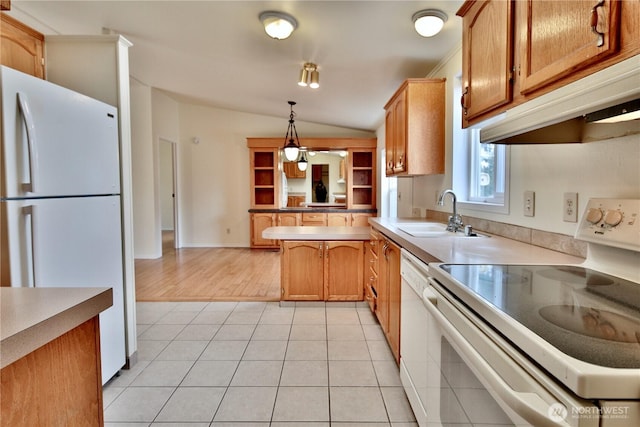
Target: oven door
(473, 380)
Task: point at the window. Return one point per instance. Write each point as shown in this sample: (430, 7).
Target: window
(480, 171)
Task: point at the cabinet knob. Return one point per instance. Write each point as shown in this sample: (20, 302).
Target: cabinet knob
(594, 23)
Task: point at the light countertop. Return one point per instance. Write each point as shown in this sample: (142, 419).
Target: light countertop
(317, 233)
(469, 250)
(32, 317)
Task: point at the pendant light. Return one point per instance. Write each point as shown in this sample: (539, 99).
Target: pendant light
(291, 146)
(302, 163)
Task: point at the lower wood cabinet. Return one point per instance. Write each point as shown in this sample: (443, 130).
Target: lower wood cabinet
(59, 384)
(260, 222)
(322, 270)
(388, 289)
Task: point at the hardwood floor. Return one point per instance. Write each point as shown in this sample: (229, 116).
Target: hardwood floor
(208, 274)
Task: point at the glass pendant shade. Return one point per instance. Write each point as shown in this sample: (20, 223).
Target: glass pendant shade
(291, 151)
(302, 163)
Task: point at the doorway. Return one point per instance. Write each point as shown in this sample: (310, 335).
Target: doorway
(168, 195)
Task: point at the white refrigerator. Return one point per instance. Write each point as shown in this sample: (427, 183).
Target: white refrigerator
(60, 212)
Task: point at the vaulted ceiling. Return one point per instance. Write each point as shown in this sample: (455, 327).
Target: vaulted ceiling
(217, 53)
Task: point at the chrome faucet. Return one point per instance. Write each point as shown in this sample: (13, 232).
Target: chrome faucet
(455, 220)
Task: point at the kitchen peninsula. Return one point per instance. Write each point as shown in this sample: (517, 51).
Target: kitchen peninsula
(50, 355)
(321, 263)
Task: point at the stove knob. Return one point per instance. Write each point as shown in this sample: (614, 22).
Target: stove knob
(594, 215)
(612, 218)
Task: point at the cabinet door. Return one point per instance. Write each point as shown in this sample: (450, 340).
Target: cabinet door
(344, 270)
(289, 219)
(393, 278)
(396, 136)
(382, 289)
(487, 56)
(259, 222)
(360, 219)
(561, 37)
(302, 270)
(339, 219)
(21, 47)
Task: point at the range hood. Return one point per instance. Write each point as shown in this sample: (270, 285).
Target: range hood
(566, 115)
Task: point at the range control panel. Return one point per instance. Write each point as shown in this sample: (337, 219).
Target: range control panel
(611, 222)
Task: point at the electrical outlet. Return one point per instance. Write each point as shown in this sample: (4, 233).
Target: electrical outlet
(415, 212)
(529, 207)
(570, 207)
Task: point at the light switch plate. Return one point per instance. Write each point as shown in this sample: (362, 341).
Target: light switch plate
(529, 203)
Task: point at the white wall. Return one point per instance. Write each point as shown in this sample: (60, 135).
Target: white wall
(597, 169)
(214, 174)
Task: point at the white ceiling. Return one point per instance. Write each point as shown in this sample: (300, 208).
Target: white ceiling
(217, 53)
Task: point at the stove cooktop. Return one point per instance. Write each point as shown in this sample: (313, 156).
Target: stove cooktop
(586, 314)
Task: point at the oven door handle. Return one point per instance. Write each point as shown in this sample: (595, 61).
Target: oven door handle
(529, 406)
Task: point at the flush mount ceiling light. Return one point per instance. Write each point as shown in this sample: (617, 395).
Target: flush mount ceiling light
(429, 22)
(278, 25)
(309, 76)
(291, 145)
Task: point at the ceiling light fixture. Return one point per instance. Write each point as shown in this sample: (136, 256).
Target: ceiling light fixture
(309, 76)
(278, 25)
(429, 22)
(291, 146)
(302, 163)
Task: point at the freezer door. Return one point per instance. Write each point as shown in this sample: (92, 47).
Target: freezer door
(55, 141)
(72, 242)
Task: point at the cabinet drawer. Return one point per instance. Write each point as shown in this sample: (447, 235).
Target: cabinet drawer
(314, 218)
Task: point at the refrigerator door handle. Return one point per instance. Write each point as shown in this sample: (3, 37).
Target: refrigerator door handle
(27, 213)
(31, 142)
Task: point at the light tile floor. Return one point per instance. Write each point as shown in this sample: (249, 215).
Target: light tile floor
(257, 364)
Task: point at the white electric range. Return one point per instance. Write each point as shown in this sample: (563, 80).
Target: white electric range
(572, 330)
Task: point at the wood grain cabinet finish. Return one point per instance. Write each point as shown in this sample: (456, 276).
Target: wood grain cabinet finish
(21, 47)
(388, 303)
(59, 384)
(515, 51)
(487, 56)
(292, 171)
(289, 219)
(371, 270)
(414, 128)
(322, 270)
(559, 38)
(264, 177)
(258, 223)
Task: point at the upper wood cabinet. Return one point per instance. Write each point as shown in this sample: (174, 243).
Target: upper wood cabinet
(22, 47)
(514, 51)
(557, 38)
(292, 171)
(487, 56)
(414, 128)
